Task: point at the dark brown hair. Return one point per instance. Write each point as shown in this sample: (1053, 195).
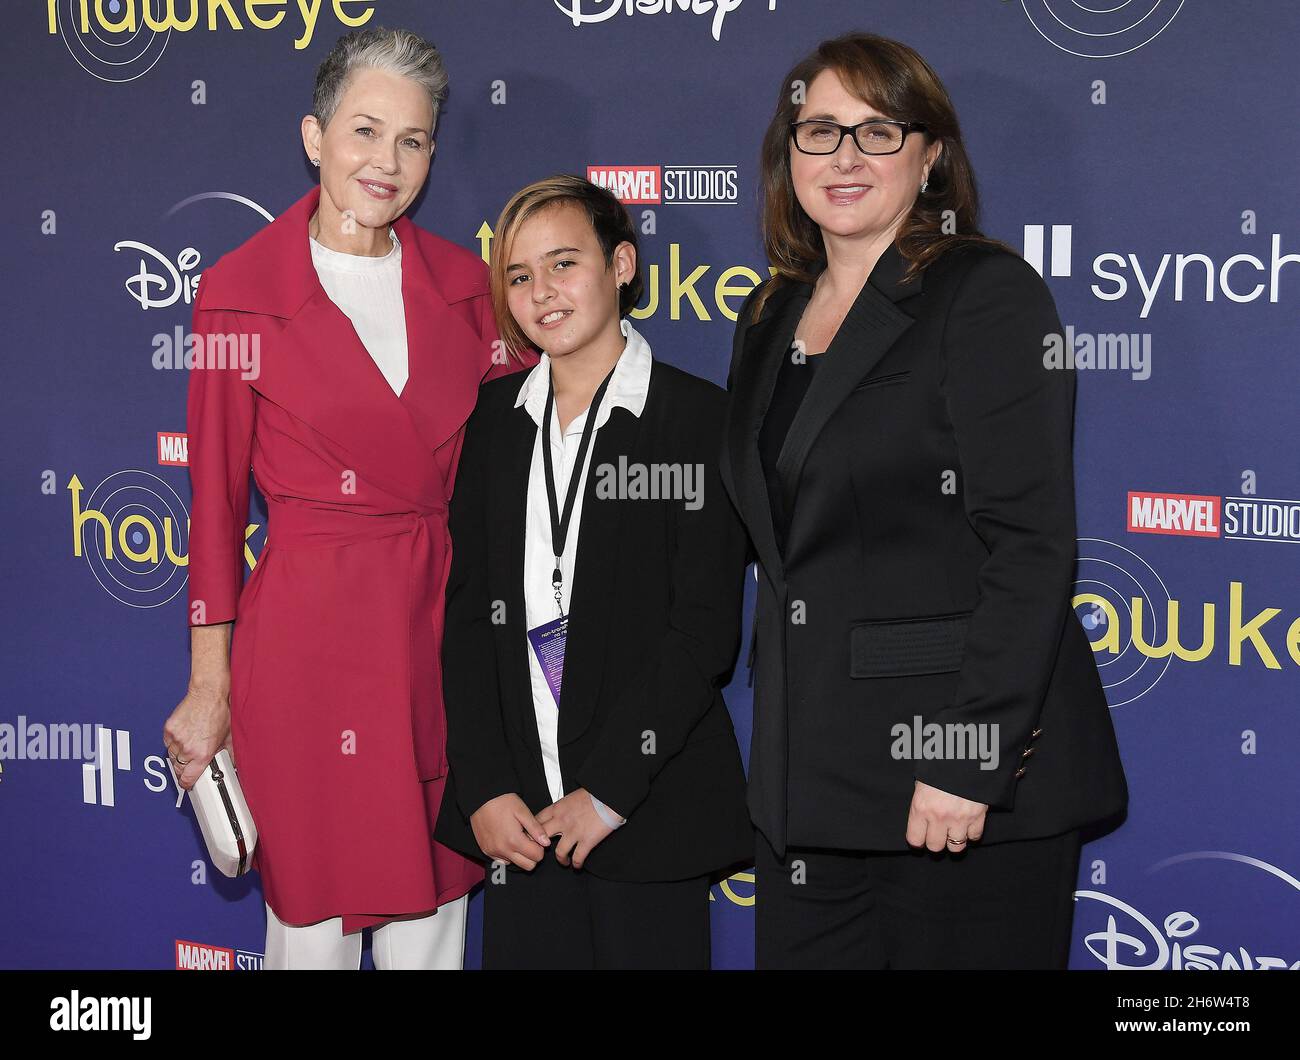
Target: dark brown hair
(895, 80)
(609, 220)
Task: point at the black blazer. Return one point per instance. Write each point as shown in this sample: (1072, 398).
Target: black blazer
(928, 561)
(654, 629)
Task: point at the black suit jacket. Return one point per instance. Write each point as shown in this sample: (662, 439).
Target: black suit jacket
(654, 628)
(928, 562)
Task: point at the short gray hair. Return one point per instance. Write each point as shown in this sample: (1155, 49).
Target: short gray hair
(397, 51)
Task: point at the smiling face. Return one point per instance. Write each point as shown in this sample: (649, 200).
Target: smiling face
(851, 194)
(375, 152)
(558, 287)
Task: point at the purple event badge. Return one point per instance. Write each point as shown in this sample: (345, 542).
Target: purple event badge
(548, 644)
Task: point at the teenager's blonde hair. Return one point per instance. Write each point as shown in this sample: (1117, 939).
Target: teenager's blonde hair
(609, 221)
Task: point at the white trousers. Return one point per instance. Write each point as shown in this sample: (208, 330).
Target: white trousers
(435, 941)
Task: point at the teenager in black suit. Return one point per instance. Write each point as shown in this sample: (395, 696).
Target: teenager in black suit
(930, 730)
(606, 789)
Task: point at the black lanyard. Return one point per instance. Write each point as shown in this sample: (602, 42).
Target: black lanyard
(560, 524)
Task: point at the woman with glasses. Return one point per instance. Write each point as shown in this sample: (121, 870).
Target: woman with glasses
(930, 731)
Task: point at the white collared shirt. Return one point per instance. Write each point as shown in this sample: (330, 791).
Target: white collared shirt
(627, 388)
(369, 292)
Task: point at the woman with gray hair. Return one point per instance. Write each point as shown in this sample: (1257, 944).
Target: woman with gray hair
(322, 673)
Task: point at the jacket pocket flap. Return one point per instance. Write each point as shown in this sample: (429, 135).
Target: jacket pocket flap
(882, 380)
(907, 647)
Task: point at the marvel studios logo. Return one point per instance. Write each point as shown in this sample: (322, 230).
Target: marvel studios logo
(1199, 515)
(669, 185)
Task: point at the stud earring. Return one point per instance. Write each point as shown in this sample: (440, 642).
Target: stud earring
(316, 162)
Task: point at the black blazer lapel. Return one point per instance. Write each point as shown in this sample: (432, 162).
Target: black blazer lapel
(507, 516)
(872, 325)
(766, 342)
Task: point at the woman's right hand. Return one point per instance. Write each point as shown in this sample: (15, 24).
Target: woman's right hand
(198, 728)
(506, 830)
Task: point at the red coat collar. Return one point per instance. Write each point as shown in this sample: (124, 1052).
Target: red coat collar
(272, 272)
(314, 365)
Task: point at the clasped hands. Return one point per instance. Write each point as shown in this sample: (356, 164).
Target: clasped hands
(506, 830)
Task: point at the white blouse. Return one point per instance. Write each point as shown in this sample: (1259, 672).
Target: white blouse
(628, 388)
(369, 292)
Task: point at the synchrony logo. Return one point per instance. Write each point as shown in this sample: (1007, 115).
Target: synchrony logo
(113, 752)
(1189, 276)
(112, 748)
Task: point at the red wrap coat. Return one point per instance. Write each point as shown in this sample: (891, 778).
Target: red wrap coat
(336, 700)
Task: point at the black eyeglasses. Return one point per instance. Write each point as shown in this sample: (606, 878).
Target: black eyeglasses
(879, 136)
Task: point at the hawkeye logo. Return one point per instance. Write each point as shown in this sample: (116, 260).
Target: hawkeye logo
(1233, 518)
(669, 185)
(1138, 629)
(121, 40)
(132, 530)
(1148, 625)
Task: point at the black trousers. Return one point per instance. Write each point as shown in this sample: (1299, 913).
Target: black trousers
(556, 918)
(1006, 905)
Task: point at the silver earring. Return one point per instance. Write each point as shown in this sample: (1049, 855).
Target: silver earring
(316, 162)
(924, 184)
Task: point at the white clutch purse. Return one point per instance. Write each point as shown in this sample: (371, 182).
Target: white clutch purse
(223, 815)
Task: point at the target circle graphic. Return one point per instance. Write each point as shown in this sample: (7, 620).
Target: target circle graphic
(1117, 576)
(1102, 29)
(111, 57)
(145, 517)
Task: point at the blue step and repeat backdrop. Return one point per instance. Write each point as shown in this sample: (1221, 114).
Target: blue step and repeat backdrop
(1141, 154)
